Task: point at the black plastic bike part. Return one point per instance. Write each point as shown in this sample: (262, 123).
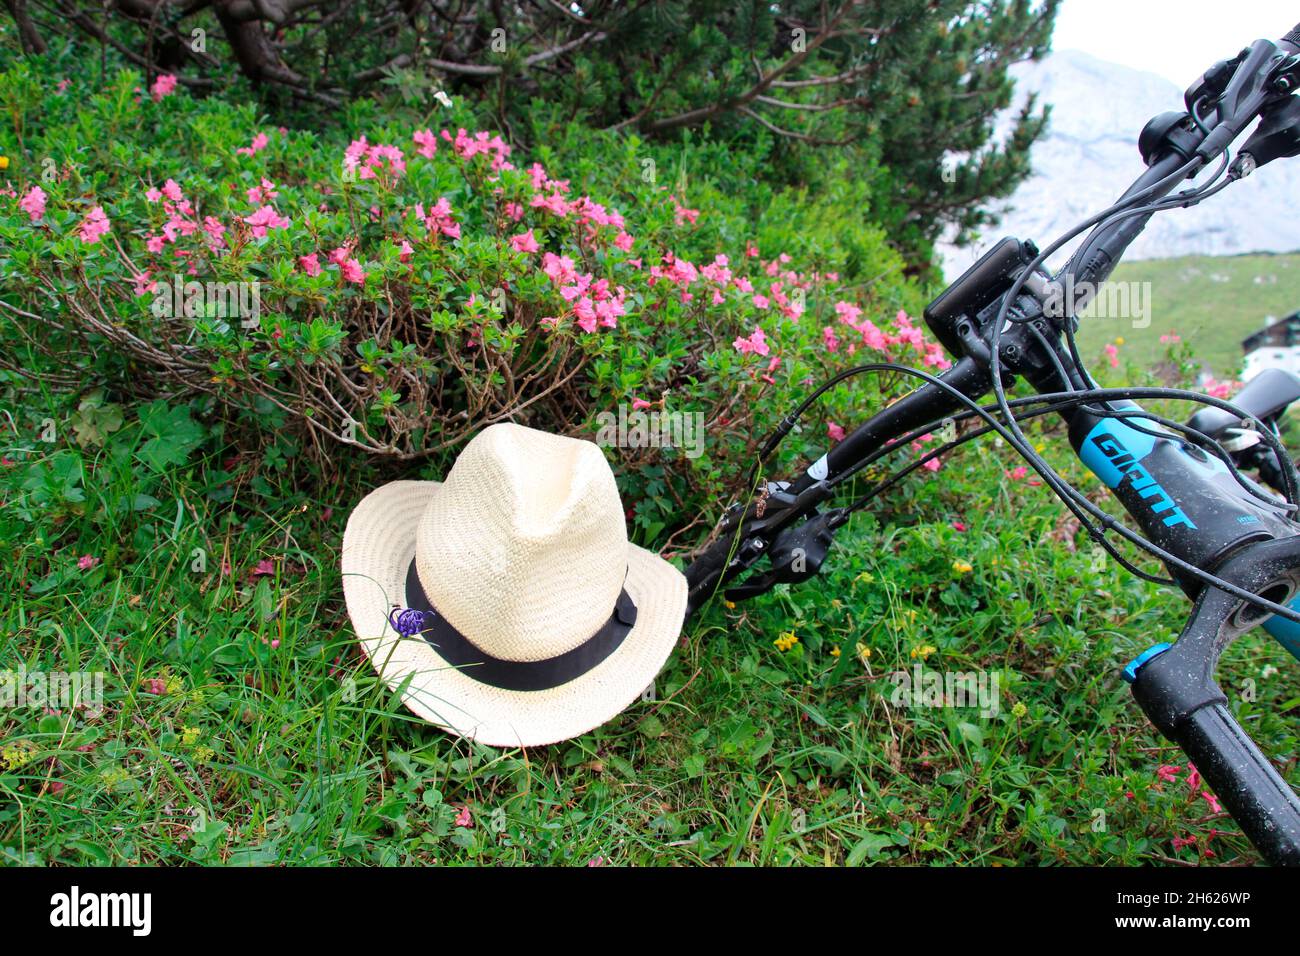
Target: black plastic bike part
(1172, 130)
(1177, 691)
(746, 534)
(983, 283)
(796, 555)
(1278, 134)
(1245, 95)
(1291, 42)
(1102, 250)
(1266, 396)
(1211, 84)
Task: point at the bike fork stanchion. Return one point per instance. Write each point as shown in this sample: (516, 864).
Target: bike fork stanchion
(1175, 687)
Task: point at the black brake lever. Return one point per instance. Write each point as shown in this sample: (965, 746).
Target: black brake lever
(796, 555)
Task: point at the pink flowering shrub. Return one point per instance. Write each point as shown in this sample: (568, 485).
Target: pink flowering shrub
(415, 284)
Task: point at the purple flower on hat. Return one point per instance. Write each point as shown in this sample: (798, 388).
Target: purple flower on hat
(408, 622)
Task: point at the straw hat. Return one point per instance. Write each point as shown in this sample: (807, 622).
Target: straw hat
(507, 601)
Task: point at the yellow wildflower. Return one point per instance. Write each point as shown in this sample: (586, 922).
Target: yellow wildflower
(729, 605)
(17, 754)
(924, 651)
(1020, 709)
(835, 652)
(1119, 340)
(189, 736)
(203, 754)
(4, 162)
(865, 577)
(963, 567)
(864, 653)
(786, 641)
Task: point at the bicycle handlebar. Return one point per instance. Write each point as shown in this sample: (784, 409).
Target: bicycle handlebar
(1291, 42)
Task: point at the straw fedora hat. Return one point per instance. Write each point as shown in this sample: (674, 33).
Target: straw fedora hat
(506, 601)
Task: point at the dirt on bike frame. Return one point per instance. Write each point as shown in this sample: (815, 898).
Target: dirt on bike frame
(1231, 546)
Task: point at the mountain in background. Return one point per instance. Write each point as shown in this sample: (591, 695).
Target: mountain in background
(1089, 156)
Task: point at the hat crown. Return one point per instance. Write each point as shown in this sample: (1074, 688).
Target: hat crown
(524, 549)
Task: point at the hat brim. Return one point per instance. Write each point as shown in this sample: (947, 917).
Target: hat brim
(378, 547)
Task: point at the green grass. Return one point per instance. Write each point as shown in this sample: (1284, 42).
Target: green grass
(272, 743)
(1212, 303)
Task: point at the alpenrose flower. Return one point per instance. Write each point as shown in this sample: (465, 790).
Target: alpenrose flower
(590, 301)
(397, 264)
(33, 203)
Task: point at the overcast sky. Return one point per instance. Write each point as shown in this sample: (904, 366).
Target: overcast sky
(1178, 39)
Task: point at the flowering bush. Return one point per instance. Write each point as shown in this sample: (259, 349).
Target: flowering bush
(399, 289)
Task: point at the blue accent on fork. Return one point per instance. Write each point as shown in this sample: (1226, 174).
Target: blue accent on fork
(1135, 665)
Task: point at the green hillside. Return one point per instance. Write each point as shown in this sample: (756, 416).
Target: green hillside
(1211, 302)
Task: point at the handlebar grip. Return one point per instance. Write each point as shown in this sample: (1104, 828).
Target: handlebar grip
(1292, 40)
(1254, 793)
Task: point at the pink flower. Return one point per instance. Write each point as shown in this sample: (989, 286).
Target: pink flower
(93, 226)
(586, 314)
(560, 269)
(163, 86)
(1212, 800)
(958, 526)
(1219, 389)
(405, 250)
(310, 264)
(834, 432)
(86, 562)
(264, 567)
(623, 241)
(639, 404)
(524, 242)
(756, 343)
(1168, 773)
(931, 464)
(260, 142)
(1017, 473)
(427, 142)
(155, 685)
(264, 219)
(143, 284)
(33, 203)
(172, 190)
(152, 195)
(439, 218)
(368, 161)
(463, 818)
(262, 193)
(829, 338)
(1112, 353)
(352, 272)
(760, 302)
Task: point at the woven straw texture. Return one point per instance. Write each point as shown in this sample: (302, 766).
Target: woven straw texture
(524, 550)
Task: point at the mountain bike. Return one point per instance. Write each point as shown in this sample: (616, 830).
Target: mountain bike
(1228, 542)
